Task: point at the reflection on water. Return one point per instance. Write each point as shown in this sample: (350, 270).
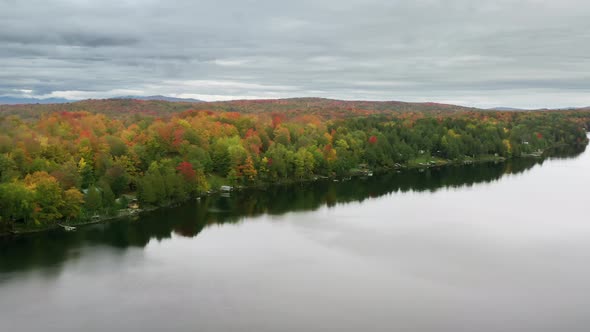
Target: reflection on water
(51, 249)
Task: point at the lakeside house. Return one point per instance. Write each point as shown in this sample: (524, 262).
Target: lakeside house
(132, 202)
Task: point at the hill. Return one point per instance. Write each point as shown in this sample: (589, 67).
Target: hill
(162, 98)
(118, 107)
(6, 100)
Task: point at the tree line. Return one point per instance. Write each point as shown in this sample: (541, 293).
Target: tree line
(67, 166)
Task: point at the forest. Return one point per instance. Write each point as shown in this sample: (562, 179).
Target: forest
(70, 165)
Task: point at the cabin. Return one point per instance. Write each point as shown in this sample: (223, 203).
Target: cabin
(226, 189)
(132, 201)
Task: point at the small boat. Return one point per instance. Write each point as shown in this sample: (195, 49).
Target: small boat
(68, 228)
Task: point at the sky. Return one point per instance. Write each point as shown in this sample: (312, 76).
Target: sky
(516, 53)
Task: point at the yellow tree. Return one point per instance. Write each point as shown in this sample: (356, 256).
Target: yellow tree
(73, 200)
(249, 170)
(48, 197)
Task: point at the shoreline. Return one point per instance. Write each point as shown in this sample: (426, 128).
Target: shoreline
(432, 163)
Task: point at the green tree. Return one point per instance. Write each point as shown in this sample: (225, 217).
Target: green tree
(108, 196)
(93, 200)
(16, 203)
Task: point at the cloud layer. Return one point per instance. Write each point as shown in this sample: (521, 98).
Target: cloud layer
(520, 53)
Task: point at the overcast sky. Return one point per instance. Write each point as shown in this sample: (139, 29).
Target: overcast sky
(519, 53)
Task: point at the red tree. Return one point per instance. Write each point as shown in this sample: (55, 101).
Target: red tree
(186, 169)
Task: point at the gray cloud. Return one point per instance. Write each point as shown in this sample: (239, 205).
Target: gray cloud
(522, 53)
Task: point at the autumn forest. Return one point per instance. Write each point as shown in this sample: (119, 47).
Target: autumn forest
(74, 162)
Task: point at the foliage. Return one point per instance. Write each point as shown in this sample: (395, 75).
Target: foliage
(68, 164)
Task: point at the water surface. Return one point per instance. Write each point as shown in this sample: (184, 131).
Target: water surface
(494, 247)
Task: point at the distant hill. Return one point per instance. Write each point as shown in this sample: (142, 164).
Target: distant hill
(570, 108)
(5, 100)
(507, 109)
(292, 107)
(163, 98)
(156, 107)
(512, 109)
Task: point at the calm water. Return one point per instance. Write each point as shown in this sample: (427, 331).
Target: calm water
(501, 247)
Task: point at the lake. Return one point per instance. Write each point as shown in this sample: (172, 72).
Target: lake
(489, 247)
